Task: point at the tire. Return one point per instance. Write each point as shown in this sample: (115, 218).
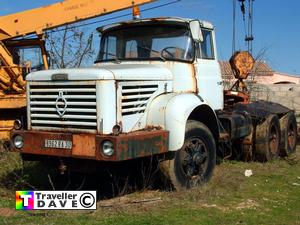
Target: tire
(247, 153)
(288, 125)
(267, 139)
(245, 147)
(194, 163)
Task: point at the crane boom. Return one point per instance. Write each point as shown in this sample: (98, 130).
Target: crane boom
(13, 63)
(37, 20)
(69, 11)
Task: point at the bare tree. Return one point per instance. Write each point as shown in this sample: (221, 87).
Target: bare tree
(70, 47)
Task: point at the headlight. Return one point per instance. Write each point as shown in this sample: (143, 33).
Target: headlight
(17, 124)
(18, 141)
(108, 148)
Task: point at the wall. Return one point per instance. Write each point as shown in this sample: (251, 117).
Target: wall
(285, 94)
(277, 77)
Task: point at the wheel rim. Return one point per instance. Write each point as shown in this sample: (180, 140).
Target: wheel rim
(291, 132)
(194, 161)
(273, 140)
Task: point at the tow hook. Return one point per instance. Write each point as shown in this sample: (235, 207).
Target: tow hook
(62, 167)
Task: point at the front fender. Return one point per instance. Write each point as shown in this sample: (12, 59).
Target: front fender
(171, 112)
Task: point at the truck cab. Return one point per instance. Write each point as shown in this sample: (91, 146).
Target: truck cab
(155, 90)
(168, 42)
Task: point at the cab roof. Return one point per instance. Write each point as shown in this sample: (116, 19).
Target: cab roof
(160, 20)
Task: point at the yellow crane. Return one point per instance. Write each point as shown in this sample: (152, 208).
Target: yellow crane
(13, 29)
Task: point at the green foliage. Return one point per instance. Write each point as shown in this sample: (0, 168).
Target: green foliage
(270, 196)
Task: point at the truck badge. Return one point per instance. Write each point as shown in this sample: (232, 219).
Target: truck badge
(61, 104)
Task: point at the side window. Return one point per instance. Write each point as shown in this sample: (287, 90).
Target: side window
(207, 49)
(197, 50)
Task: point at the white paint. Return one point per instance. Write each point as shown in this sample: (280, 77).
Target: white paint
(171, 112)
(177, 20)
(137, 121)
(108, 72)
(168, 107)
(106, 106)
(209, 79)
(209, 82)
(183, 77)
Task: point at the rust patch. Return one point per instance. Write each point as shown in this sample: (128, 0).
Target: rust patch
(194, 75)
(84, 145)
(151, 128)
(34, 143)
(135, 145)
(242, 64)
(127, 146)
(234, 97)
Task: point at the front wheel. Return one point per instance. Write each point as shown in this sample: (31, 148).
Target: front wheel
(194, 163)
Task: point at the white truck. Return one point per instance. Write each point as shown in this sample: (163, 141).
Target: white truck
(155, 90)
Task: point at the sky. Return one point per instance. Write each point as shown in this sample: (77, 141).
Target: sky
(276, 25)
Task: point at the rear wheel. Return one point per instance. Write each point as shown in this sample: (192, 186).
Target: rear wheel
(246, 147)
(288, 125)
(267, 139)
(193, 164)
(247, 153)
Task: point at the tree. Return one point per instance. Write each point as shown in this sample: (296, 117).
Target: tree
(70, 47)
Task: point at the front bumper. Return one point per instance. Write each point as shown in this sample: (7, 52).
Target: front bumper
(89, 146)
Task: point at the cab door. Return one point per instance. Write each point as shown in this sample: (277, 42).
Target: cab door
(208, 73)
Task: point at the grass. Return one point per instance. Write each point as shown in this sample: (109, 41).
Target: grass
(270, 196)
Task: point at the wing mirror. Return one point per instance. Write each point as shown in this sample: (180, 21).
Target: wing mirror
(196, 31)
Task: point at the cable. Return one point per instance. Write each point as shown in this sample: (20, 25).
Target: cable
(251, 24)
(233, 25)
(115, 17)
(243, 10)
(249, 37)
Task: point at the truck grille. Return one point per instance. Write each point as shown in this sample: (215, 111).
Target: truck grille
(135, 98)
(63, 106)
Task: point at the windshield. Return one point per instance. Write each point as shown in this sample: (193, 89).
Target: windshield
(159, 42)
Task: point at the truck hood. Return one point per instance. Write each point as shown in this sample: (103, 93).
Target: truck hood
(105, 72)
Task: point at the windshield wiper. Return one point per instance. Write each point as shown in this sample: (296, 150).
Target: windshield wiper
(107, 53)
(152, 50)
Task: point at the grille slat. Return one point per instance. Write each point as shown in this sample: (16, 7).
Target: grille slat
(68, 110)
(69, 128)
(57, 122)
(66, 96)
(80, 112)
(136, 97)
(134, 109)
(134, 103)
(138, 90)
(60, 103)
(65, 116)
(93, 90)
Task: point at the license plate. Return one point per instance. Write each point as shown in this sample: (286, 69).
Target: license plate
(58, 144)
